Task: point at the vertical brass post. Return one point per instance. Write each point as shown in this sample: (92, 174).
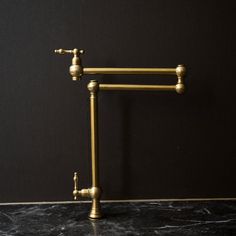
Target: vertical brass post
(95, 213)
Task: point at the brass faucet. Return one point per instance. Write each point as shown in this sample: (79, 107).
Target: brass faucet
(77, 71)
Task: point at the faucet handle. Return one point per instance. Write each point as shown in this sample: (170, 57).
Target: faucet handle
(74, 51)
(76, 190)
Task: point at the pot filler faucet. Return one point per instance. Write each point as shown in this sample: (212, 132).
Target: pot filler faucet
(77, 71)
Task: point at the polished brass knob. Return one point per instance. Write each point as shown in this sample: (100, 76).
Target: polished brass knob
(76, 69)
(76, 190)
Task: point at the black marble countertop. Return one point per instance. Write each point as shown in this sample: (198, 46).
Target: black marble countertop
(193, 218)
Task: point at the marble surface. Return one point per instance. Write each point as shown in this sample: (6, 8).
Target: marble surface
(216, 218)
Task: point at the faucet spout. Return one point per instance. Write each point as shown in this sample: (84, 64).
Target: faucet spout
(75, 69)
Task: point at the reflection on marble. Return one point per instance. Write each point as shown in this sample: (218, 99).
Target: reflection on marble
(210, 218)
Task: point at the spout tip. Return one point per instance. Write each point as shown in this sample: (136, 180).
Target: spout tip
(75, 78)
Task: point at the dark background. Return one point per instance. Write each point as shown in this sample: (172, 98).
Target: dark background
(152, 144)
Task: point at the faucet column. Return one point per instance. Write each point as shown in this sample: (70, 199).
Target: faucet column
(93, 87)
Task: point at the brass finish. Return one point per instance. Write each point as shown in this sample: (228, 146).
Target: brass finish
(77, 71)
(95, 191)
(126, 71)
(137, 87)
(93, 87)
(76, 191)
(75, 51)
(180, 72)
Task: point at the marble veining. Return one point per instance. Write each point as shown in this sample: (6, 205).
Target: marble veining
(211, 218)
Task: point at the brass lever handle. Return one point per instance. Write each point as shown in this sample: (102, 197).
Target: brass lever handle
(74, 51)
(76, 190)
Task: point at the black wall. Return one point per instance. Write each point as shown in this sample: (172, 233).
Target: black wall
(152, 144)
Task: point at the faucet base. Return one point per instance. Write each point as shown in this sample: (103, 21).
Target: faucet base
(95, 212)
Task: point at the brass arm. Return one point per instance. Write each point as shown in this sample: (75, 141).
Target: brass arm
(179, 88)
(131, 71)
(136, 87)
(77, 70)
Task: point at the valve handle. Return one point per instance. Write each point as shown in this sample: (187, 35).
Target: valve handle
(74, 51)
(76, 190)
